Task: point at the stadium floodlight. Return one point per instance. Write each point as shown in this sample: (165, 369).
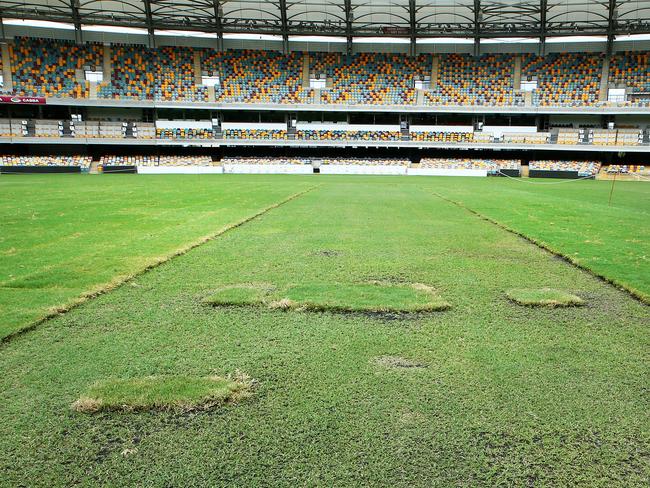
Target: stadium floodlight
(511, 40)
(444, 40)
(563, 39)
(326, 39)
(38, 23)
(114, 29)
(245, 36)
(185, 33)
(381, 40)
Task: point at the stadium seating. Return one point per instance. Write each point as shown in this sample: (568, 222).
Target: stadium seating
(175, 78)
(270, 134)
(48, 68)
(265, 161)
(81, 161)
(491, 165)
(525, 138)
(626, 169)
(133, 73)
(177, 133)
(452, 137)
(629, 137)
(128, 161)
(631, 70)
(369, 78)
(566, 79)
(465, 80)
(249, 76)
(348, 135)
(568, 136)
(9, 128)
(583, 168)
(179, 161)
(54, 68)
(366, 161)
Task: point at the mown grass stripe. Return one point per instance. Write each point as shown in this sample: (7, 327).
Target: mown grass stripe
(631, 291)
(154, 263)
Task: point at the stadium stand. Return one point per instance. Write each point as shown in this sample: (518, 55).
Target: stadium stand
(465, 80)
(491, 165)
(525, 138)
(249, 76)
(450, 137)
(9, 128)
(583, 168)
(182, 133)
(260, 160)
(133, 73)
(49, 68)
(40, 161)
(270, 134)
(128, 161)
(568, 136)
(175, 78)
(348, 135)
(178, 161)
(54, 68)
(565, 79)
(369, 78)
(626, 169)
(366, 161)
(631, 70)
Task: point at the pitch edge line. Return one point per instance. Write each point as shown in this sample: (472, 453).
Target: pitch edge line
(636, 294)
(121, 280)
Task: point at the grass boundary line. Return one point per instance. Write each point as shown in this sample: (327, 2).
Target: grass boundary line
(631, 291)
(155, 262)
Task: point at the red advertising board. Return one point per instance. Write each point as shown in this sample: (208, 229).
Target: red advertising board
(32, 100)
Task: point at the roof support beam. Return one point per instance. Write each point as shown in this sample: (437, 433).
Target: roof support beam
(612, 21)
(412, 25)
(76, 19)
(543, 11)
(348, 25)
(150, 29)
(478, 18)
(285, 27)
(218, 13)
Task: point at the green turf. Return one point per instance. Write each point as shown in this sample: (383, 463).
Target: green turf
(341, 297)
(572, 218)
(484, 393)
(544, 297)
(369, 297)
(178, 392)
(62, 236)
(239, 295)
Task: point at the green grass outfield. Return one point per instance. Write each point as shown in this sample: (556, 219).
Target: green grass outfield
(499, 393)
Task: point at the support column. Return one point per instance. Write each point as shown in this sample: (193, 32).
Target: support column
(6, 68)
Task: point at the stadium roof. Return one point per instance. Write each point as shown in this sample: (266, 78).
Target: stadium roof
(410, 19)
